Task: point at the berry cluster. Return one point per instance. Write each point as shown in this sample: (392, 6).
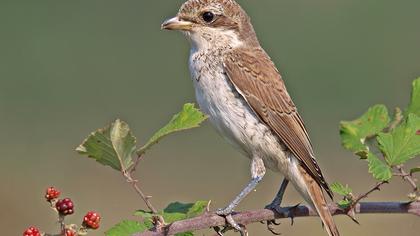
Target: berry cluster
(65, 207)
(70, 232)
(32, 231)
(52, 194)
(91, 220)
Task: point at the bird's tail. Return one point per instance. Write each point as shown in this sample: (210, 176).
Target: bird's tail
(319, 202)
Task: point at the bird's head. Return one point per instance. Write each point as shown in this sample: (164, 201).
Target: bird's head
(213, 23)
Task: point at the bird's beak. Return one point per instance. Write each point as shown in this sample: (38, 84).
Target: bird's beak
(176, 24)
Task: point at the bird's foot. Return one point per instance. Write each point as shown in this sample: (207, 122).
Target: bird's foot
(288, 212)
(224, 211)
(272, 223)
(230, 222)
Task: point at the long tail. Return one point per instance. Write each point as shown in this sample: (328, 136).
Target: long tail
(319, 202)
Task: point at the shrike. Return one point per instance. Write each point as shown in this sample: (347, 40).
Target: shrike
(240, 89)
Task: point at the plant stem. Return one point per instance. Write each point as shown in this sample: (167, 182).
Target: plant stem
(145, 198)
(365, 195)
(407, 177)
(206, 221)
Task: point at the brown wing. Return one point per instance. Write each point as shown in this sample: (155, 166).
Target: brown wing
(256, 78)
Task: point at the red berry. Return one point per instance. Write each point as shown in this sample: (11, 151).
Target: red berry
(91, 220)
(31, 231)
(51, 193)
(65, 206)
(70, 232)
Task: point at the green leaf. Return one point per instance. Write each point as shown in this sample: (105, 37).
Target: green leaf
(180, 211)
(188, 118)
(185, 234)
(344, 204)
(354, 133)
(414, 106)
(126, 228)
(403, 143)
(143, 213)
(111, 146)
(378, 169)
(197, 209)
(414, 170)
(340, 189)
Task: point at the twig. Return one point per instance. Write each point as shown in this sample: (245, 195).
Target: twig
(62, 224)
(244, 218)
(145, 198)
(127, 173)
(407, 177)
(136, 162)
(365, 195)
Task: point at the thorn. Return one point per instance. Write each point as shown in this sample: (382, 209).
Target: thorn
(208, 207)
(291, 213)
(352, 214)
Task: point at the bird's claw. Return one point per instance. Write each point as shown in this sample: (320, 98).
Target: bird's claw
(232, 224)
(271, 223)
(224, 211)
(270, 226)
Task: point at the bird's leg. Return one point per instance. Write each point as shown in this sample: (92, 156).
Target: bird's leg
(257, 172)
(251, 186)
(279, 197)
(275, 205)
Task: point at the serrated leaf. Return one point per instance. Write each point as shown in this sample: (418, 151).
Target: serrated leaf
(143, 214)
(414, 106)
(180, 211)
(197, 209)
(126, 228)
(354, 133)
(414, 170)
(344, 204)
(403, 143)
(190, 117)
(340, 189)
(378, 169)
(111, 146)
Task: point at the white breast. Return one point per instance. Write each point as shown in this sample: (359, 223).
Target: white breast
(231, 115)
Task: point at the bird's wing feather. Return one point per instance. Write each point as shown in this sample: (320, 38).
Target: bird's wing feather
(256, 78)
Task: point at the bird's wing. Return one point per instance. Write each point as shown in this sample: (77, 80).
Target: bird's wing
(256, 78)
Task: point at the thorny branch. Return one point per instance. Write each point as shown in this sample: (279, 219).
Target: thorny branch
(244, 218)
(407, 177)
(128, 176)
(145, 198)
(365, 195)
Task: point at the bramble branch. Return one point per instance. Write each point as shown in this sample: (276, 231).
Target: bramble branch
(407, 177)
(365, 195)
(210, 220)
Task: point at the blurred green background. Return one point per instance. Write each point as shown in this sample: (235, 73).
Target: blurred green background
(69, 67)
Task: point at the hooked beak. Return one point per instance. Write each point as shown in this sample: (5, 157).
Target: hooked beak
(176, 24)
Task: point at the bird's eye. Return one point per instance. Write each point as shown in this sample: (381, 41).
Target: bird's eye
(208, 16)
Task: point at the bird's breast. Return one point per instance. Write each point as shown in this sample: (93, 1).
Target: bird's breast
(229, 113)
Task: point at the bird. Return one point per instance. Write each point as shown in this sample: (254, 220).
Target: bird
(242, 92)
